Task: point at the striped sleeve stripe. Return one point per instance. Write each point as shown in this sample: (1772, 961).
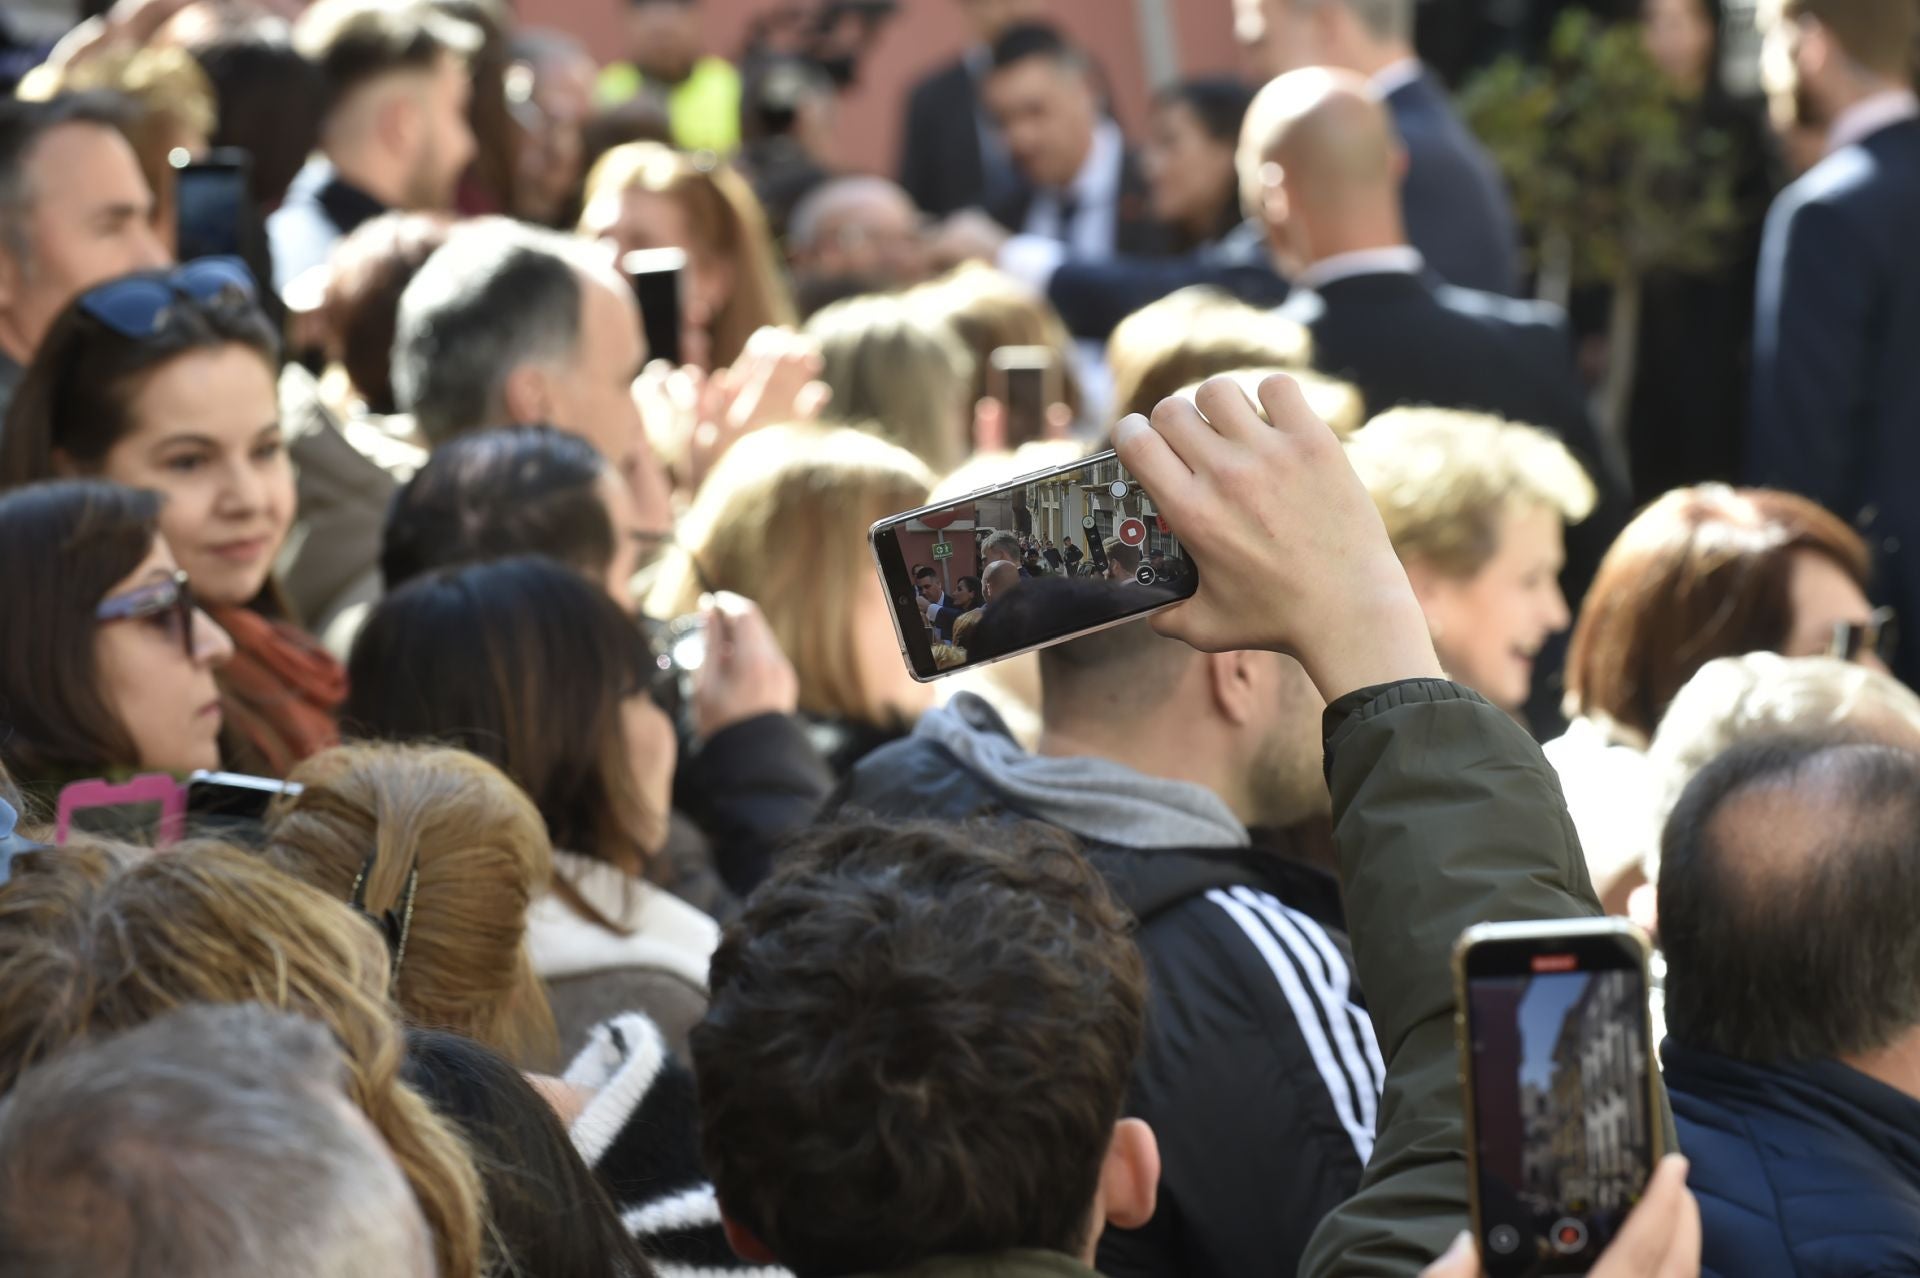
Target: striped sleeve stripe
(1306, 1014)
(1352, 1028)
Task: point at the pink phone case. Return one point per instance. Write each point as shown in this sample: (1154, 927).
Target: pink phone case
(154, 787)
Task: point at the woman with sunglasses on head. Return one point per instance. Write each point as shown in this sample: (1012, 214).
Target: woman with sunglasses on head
(530, 666)
(106, 665)
(166, 381)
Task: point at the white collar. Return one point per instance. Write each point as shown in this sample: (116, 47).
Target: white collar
(1870, 115)
(1395, 76)
(1398, 260)
(1097, 184)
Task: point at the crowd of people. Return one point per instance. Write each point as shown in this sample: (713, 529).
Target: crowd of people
(620, 903)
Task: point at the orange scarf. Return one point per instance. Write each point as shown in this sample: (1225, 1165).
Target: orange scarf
(281, 693)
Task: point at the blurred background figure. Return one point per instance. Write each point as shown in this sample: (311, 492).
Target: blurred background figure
(1188, 159)
(951, 153)
(551, 86)
(856, 234)
(648, 196)
(787, 121)
(667, 62)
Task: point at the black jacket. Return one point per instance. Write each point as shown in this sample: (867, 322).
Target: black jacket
(948, 158)
(748, 787)
(1808, 1170)
(1836, 382)
(1135, 232)
(1261, 1075)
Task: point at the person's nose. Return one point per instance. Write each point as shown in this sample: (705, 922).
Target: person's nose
(212, 646)
(1559, 617)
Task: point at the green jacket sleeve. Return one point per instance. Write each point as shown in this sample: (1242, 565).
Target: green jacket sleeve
(1446, 814)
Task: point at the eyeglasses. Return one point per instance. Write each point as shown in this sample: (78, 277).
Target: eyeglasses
(168, 604)
(1878, 634)
(394, 923)
(140, 307)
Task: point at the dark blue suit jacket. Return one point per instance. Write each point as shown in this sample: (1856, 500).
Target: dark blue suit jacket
(1836, 354)
(1453, 199)
(1808, 1170)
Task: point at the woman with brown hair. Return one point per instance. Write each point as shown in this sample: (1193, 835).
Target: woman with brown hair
(92, 942)
(645, 195)
(532, 667)
(106, 665)
(167, 381)
(1702, 573)
(442, 843)
(784, 522)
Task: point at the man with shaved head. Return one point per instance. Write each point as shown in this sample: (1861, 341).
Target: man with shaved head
(1789, 889)
(1322, 162)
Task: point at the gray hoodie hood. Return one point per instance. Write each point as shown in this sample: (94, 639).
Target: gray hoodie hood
(1098, 800)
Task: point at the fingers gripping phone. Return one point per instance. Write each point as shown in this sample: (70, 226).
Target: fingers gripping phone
(967, 586)
(1561, 1088)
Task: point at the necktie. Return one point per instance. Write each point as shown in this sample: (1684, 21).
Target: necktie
(1069, 215)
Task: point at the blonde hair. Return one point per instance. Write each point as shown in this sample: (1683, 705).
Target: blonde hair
(1339, 404)
(1444, 480)
(783, 520)
(481, 850)
(727, 223)
(1735, 699)
(899, 373)
(94, 940)
(1189, 336)
(987, 310)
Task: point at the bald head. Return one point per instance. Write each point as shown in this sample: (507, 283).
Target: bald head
(1789, 880)
(1321, 163)
(1000, 577)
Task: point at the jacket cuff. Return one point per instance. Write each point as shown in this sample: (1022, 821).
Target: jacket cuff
(1364, 703)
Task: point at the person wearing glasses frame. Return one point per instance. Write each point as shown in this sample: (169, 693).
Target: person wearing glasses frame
(167, 381)
(112, 669)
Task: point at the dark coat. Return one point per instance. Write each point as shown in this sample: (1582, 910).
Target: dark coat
(1807, 1170)
(1836, 377)
(942, 155)
(1135, 232)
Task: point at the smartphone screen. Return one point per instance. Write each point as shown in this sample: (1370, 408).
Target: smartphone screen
(1026, 381)
(210, 203)
(1561, 1081)
(1010, 569)
(655, 276)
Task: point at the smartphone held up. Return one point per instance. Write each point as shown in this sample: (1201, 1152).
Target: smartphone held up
(1046, 558)
(1561, 1088)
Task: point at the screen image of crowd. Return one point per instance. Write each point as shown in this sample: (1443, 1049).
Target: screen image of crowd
(1560, 1079)
(1060, 554)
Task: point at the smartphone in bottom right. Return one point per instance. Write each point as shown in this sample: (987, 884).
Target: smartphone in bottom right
(1561, 1088)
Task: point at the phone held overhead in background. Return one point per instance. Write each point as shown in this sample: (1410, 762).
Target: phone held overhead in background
(1026, 381)
(213, 215)
(1043, 559)
(1561, 1088)
(656, 277)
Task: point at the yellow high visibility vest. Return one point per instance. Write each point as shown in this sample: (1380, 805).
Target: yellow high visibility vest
(703, 111)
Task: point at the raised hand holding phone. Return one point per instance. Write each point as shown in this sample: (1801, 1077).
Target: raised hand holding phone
(1292, 553)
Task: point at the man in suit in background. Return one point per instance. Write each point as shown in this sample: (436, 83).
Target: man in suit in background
(1836, 391)
(1081, 188)
(951, 157)
(1453, 201)
(1321, 158)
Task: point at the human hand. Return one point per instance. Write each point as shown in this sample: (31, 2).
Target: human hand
(967, 236)
(1661, 1238)
(774, 382)
(1292, 553)
(745, 674)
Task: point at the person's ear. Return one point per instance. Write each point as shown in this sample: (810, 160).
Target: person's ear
(1230, 677)
(399, 122)
(528, 396)
(744, 1242)
(1130, 1177)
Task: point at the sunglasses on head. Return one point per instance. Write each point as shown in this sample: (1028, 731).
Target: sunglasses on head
(167, 604)
(140, 306)
(1878, 635)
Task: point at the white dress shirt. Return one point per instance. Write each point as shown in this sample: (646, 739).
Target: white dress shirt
(1096, 195)
(1398, 260)
(1395, 76)
(1870, 115)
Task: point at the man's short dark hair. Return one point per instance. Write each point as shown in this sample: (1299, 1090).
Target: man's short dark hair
(919, 1043)
(1789, 886)
(354, 41)
(1035, 40)
(971, 583)
(925, 571)
(22, 126)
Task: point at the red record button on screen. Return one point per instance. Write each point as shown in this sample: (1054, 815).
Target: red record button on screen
(1132, 532)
